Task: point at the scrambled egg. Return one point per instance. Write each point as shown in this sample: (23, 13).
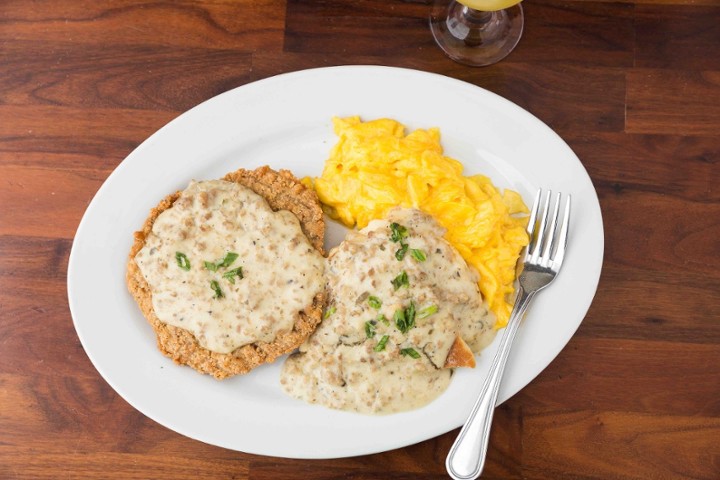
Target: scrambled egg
(375, 166)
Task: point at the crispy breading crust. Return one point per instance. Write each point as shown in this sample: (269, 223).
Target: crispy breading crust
(282, 191)
(460, 355)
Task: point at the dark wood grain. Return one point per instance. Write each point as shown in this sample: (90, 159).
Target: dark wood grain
(244, 25)
(677, 38)
(632, 86)
(104, 76)
(620, 164)
(682, 102)
(622, 445)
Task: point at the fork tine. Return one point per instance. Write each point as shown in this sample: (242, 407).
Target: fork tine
(550, 237)
(537, 246)
(562, 239)
(533, 214)
(532, 224)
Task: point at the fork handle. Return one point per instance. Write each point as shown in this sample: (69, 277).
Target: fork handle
(467, 455)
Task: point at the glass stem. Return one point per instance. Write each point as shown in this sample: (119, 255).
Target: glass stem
(476, 17)
(467, 24)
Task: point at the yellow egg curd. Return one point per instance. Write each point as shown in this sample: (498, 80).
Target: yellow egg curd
(375, 166)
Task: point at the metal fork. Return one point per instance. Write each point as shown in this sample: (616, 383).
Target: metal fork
(543, 258)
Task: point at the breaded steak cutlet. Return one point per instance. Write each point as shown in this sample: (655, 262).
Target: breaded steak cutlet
(282, 191)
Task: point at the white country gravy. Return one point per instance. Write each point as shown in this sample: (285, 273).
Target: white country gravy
(191, 261)
(390, 322)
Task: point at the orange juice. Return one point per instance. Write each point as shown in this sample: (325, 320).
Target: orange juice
(488, 5)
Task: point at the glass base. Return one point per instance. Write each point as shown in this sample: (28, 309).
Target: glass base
(474, 37)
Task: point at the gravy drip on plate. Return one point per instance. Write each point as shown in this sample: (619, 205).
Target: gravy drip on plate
(365, 357)
(281, 271)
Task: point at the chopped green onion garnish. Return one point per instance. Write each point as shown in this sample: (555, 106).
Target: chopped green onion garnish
(410, 314)
(397, 232)
(329, 311)
(405, 318)
(381, 344)
(383, 319)
(211, 266)
(231, 274)
(400, 253)
(410, 352)
(427, 311)
(418, 255)
(216, 288)
(182, 260)
(399, 319)
(374, 302)
(230, 257)
(401, 281)
(369, 329)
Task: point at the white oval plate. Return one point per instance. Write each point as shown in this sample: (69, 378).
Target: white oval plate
(285, 122)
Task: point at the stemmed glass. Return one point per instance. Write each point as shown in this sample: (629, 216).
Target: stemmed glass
(477, 32)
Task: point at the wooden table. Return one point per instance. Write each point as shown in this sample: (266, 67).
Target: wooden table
(634, 88)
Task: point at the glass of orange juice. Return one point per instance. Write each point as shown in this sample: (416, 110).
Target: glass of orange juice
(477, 32)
